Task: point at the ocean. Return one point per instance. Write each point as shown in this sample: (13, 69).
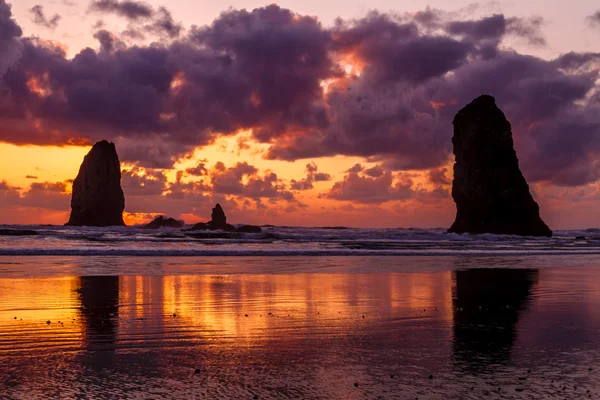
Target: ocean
(298, 313)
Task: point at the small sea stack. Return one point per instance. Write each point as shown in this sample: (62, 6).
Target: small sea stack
(489, 190)
(218, 222)
(164, 222)
(98, 198)
(218, 218)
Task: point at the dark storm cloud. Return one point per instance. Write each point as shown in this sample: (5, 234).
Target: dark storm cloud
(264, 70)
(129, 9)
(39, 17)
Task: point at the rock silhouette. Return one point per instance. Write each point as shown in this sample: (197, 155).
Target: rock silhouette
(218, 218)
(17, 232)
(219, 222)
(98, 199)
(162, 222)
(489, 189)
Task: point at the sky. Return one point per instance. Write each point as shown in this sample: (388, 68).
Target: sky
(313, 113)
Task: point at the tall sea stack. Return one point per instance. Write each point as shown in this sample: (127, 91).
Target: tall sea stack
(98, 199)
(489, 189)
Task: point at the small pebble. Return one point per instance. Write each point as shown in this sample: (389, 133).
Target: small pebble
(48, 322)
(356, 384)
(519, 389)
(174, 315)
(246, 315)
(363, 316)
(15, 317)
(392, 376)
(430, 376)
(197, 370)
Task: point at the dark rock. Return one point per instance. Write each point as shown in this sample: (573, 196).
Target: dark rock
(229, 228)
(98, 199)
(162, 222)
(249, 229)
(218, 218)
(17, 232)
(489, 189)
(580, 238)
(201, 226)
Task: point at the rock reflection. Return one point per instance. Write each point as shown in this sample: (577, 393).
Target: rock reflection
(487, 304)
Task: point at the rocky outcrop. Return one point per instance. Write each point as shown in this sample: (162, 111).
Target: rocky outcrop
(17, 232)
(489, 189)
(218, 218)
(162, 222)
(97, 198)
(249, 229)
(219, 222)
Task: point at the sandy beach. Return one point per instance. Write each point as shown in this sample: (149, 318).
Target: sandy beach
(330, 332)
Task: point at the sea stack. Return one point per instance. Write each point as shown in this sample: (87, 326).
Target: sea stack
(489, 190)
(218, 218)
(98, 199)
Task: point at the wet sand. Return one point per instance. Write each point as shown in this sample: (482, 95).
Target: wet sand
(460, 333)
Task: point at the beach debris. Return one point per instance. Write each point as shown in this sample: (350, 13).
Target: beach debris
(48, 322)
(98, 198)
(489, 190)
(355, 384)
(197, 371)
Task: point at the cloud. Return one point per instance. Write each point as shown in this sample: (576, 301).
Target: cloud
(10, 46)
(594, 19)
(243, 180)
(142, 17)
(312, 175)
(39, 17)
(137, 182)
(497, 26)
(364, 189)
(383, 87)
(47, 195)
(130, 9)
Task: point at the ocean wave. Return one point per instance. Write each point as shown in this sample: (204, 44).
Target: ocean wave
(276, 241)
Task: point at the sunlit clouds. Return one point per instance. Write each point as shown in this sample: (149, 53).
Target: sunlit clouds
(285, 119)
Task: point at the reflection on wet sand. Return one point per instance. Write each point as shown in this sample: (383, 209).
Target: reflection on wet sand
(487, 304)
(425, 335)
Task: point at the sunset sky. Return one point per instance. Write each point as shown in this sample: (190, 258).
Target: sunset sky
(306, 113)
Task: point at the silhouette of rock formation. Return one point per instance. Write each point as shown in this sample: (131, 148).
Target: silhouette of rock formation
(98, 199)
(489, 189)
(249, 229)
(219, 222)
(218, 218)
(162, 222)
(17, 232)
